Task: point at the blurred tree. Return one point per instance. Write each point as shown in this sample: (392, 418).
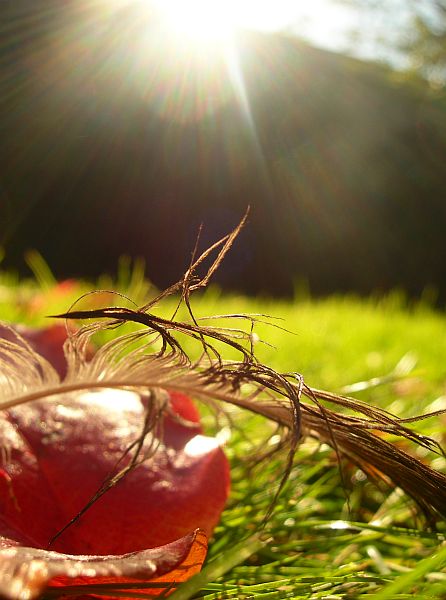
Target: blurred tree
(414, 33)
(426, 43)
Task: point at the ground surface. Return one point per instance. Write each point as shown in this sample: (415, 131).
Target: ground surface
(316, 544)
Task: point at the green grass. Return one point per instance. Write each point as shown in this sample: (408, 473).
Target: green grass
(316, 545)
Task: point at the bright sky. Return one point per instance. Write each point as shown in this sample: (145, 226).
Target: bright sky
(322, 20)
(325, 23)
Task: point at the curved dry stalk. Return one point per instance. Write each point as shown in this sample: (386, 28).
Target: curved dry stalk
(154, 359)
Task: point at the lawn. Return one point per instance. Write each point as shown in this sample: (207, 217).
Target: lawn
(333, 534)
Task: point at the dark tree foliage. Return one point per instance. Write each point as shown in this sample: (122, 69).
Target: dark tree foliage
(103, 154)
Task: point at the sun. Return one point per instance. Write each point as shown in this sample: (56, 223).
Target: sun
(200, 21)
(207, 22)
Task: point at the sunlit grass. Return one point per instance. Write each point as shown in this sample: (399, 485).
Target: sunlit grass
(329, 537)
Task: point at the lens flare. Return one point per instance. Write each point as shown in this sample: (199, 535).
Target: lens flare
(208, 22)
(199, 21)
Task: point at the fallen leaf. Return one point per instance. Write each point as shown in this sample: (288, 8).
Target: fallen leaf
(61, 451)
(27, 572)
(58, 453)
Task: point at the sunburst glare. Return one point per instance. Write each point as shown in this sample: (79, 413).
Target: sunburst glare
(215, 21)
(183, 58)
(199, 21)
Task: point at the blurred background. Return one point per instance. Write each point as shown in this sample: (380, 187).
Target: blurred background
(124, 124)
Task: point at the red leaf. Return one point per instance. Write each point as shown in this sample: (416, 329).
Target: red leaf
(26, 572)
(60, 451)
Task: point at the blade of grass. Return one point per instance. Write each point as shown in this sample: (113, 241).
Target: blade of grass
(404, 582)
(40, 269)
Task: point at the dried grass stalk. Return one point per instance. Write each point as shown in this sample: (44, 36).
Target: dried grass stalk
(152, 361)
